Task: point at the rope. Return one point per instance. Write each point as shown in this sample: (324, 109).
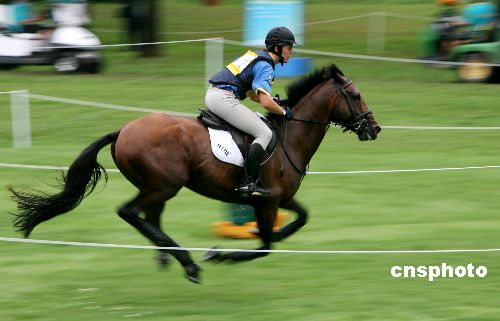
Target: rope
(114, 170)
(192, 249)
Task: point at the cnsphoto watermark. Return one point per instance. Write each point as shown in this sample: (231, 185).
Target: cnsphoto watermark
(444, 270)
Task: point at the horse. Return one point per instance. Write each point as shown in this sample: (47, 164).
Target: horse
(161, 153)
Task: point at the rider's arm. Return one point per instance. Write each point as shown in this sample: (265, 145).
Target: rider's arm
(261, 86)
(266, 101)
(253, 96)
(269, 104)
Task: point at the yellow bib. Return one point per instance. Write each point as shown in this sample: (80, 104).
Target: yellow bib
(237, 66)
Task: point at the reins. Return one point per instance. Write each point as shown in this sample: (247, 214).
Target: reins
(312, 122)
(302, 173)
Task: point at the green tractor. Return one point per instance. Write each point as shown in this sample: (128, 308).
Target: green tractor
(468, 36)
(486, 53)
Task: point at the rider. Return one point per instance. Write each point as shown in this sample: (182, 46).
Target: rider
(251, 76)
(24, 18)
(481, 16)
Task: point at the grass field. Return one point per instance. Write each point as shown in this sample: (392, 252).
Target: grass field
(380, 211)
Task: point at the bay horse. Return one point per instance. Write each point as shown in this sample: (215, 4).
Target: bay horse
(161, 153)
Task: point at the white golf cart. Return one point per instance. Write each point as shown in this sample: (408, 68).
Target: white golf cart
(69, 47)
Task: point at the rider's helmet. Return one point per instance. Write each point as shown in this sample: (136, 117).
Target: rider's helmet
(279, 36)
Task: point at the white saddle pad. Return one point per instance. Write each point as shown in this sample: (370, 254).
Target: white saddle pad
(224, 147)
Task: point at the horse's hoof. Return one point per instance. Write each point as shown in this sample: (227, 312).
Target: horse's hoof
(163, 260)
(212, 255)
(193, 273)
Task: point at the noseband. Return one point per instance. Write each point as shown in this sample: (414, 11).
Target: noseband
(358, 122)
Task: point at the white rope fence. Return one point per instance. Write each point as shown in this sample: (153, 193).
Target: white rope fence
(388, 14)
(152, 110)
(391, 59)
(304, 51)
(106, 106)
(441, 127)
(131, 44)
(378, 58)
(406, 170)
(193, 249)
(114, 170)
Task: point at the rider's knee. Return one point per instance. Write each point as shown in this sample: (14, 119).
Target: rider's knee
(264, 138)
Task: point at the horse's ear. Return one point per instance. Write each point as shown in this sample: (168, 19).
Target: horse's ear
(337, 70)
(328, 72)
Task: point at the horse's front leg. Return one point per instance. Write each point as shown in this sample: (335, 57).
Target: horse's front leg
(293, 226)
(265, 222)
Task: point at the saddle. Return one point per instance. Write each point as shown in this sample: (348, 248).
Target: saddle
(242, 140)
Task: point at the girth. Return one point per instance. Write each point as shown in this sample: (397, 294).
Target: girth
(242, 139)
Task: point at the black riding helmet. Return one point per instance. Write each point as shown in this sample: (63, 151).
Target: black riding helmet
(279, 36)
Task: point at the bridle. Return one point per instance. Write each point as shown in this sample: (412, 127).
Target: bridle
(358, 123)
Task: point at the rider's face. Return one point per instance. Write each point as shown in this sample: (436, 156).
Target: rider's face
(287, 52)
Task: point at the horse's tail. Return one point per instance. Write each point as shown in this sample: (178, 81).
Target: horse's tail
(79, 181)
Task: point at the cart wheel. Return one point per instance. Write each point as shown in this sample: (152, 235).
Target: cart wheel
(66, 63)
(8, 67)
(472, 73)
(93, 68)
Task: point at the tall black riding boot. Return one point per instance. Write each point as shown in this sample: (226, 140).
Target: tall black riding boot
(252, 186)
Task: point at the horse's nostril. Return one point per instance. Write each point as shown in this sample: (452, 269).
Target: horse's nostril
(377, 129)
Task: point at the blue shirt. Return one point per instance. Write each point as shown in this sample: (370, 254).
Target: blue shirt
(263, 76)
(20, 12)
(479, 15)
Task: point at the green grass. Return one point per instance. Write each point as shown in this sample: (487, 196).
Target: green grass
(428, 210)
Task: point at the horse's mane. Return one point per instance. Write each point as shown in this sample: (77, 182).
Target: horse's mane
(301, 87)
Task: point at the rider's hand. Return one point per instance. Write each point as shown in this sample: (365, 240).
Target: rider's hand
(288, 113)
(279, 101)
(283, 102)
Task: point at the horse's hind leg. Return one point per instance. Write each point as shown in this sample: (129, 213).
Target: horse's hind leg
(150, 229)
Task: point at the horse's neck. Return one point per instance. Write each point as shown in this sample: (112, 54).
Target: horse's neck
(303, 139)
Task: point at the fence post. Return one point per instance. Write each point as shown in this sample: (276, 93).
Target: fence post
(214, 56)
(21, 122)
(375, 41)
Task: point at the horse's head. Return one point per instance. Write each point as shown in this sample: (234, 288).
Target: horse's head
(348, 108)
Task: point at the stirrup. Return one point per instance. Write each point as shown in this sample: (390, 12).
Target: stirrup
(251, 188)
(261, 192)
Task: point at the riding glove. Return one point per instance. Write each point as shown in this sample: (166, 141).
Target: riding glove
(289, 113)
(279, 101)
